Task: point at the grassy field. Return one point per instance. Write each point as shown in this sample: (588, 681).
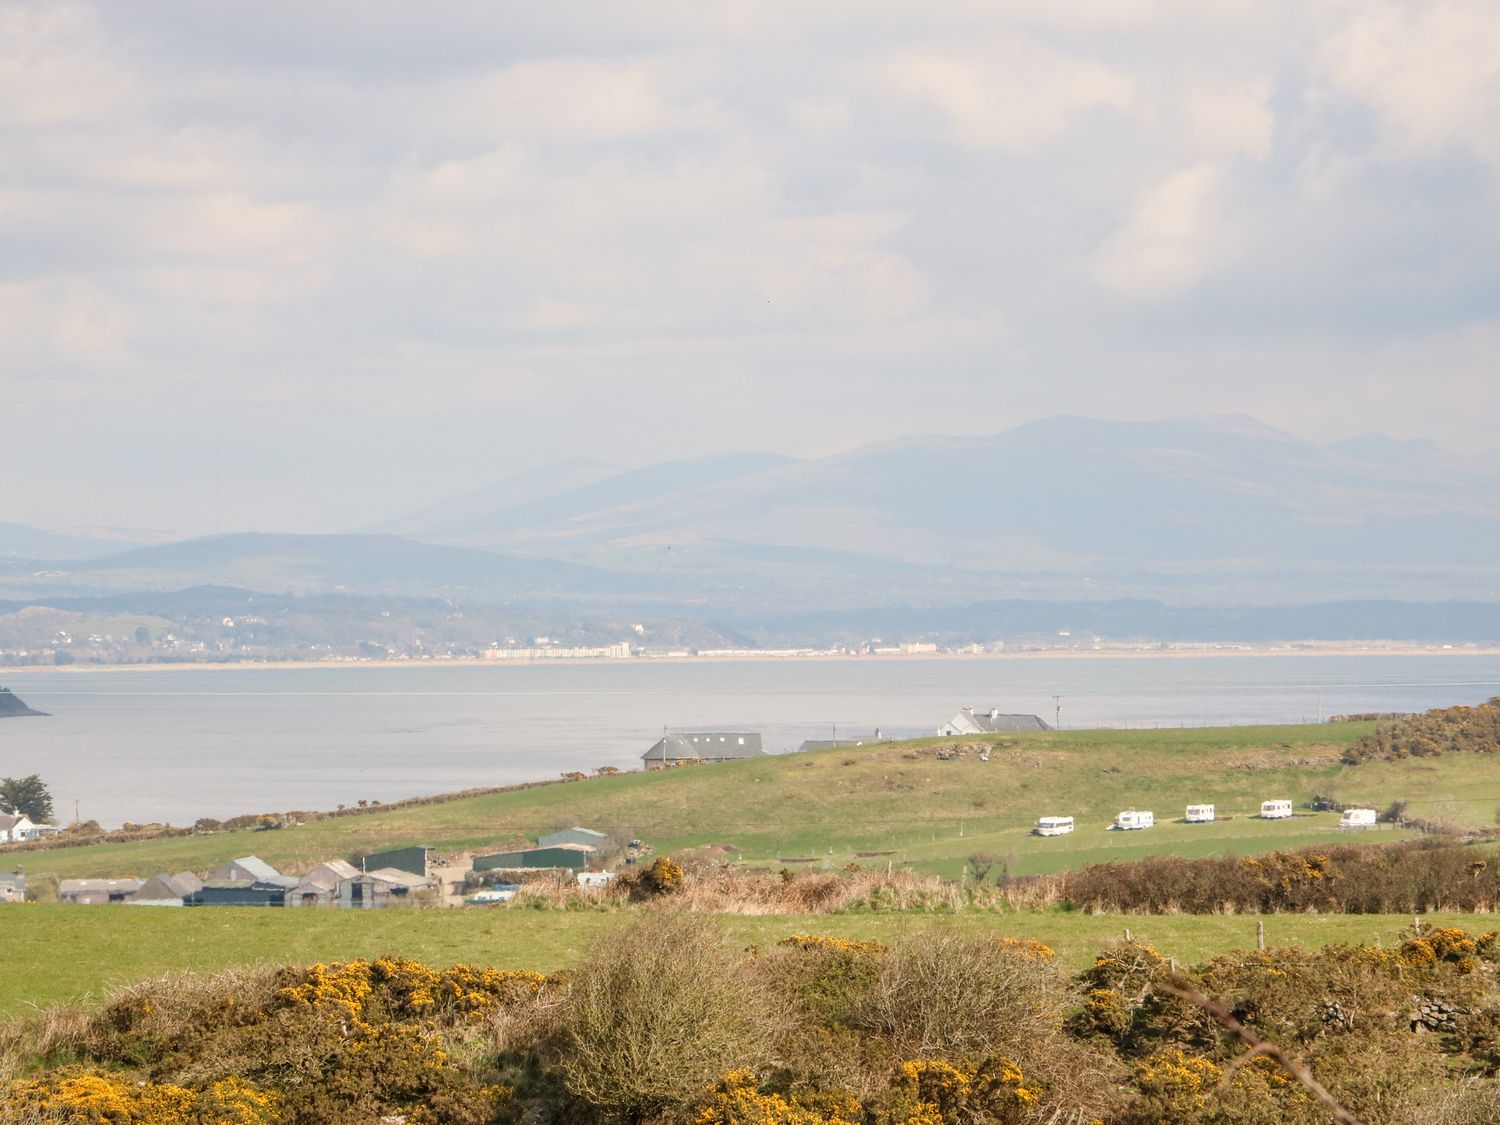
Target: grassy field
(896, 803)
(57, 953)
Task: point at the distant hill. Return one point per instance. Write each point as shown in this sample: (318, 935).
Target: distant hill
(571, 489)
(1210, 509)
(18, 540)
(365, 563)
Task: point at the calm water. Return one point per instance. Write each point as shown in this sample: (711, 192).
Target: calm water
(176, 745)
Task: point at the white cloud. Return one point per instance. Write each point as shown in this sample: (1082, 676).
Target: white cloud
(336, 215)
(68, 324)
(1009, 93)
(1431, 70)
(1231, 120)
(55, 70)
(1176, 237)
(575, 99)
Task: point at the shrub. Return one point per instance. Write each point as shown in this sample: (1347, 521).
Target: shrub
(654, 1012)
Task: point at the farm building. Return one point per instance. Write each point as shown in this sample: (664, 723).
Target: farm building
(843, 742)
(93, 892)
(167, 890)
(574, 835)
(412, 859)
(240, 892)
(386, 886)
(969, 721)
(249, 869)
(327, 884)
(702, 746)
(573, 857)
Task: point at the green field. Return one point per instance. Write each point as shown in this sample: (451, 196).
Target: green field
(896, 803)
(57, 953)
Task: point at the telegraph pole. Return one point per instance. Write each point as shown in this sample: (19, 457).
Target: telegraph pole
(1057, 712)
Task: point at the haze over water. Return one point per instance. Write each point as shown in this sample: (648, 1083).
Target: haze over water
(180, 744)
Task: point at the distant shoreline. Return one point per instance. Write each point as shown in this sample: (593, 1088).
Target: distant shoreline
(1176, 652)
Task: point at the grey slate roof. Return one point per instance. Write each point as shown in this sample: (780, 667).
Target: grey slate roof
(969, 721)
(692, 746)
(329, 874)
(250, 869)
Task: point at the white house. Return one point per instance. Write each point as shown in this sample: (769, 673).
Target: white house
(15, 826)
(969, 721)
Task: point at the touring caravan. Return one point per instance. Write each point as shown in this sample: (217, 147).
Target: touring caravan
(1130, 819)
(1200, 814)
(1054, 826)
(1357, 818)
(1275, 810)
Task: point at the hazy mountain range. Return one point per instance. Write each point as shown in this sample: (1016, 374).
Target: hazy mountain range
(1222, 511)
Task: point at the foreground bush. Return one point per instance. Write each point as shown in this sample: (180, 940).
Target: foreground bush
(654, 1012)
(662, 1024)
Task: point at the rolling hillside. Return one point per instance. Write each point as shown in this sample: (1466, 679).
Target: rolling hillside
(898, 803)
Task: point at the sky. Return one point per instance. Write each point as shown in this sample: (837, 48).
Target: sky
(308, 267)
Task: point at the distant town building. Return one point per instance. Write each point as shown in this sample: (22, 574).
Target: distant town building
(702, 746)
(969, 721)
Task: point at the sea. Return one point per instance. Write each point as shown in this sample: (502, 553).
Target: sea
(177, 744)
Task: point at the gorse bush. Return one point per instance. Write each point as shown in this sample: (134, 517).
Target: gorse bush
(662, 1024)
(1410, 877)
(1449, 730)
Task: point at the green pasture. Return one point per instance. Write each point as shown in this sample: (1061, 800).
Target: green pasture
(895, 804)
(57, 953)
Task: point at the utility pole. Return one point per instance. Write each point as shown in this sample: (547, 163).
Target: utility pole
(1057, 712)
(1320, 705)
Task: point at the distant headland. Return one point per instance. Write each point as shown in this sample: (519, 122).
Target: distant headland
(11, 705)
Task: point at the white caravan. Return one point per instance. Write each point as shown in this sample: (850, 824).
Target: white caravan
(1275, 810)
(1054, 826)
(1130, 819)
(1357, 818)
(1200, 814)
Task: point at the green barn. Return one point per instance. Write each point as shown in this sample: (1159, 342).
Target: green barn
(572, 857)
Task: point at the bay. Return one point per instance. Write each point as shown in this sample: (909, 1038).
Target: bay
(177, 744)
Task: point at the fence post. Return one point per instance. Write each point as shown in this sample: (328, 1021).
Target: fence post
(1127, 934)
(1260, 936)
